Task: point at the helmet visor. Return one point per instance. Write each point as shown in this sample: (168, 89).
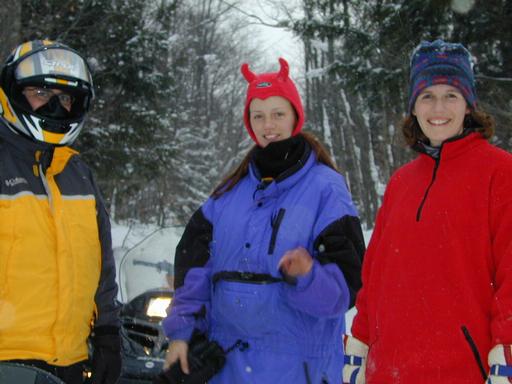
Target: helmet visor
(54, 63)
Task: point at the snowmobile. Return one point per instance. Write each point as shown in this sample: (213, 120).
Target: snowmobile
(146, 277)
(14, 373)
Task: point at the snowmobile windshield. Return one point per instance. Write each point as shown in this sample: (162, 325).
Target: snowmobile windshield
(149, 265)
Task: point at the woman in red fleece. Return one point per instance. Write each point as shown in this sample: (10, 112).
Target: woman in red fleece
(436, 302)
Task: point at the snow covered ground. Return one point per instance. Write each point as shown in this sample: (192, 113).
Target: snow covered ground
(130, 248)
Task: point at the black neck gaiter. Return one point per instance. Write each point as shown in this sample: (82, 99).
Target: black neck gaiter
(279, 156)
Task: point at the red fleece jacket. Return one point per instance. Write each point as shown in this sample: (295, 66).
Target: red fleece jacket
(439, 262)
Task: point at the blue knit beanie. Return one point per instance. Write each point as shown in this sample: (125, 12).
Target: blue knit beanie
(440, 62)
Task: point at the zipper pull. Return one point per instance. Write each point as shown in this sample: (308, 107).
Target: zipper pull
(35, 167)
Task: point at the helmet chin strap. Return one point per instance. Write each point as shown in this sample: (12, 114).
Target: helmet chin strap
(53, 109)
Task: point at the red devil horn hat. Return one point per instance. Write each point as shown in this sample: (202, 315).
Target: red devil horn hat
(270, 84)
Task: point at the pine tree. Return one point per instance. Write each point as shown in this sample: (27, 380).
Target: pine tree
(357, 59)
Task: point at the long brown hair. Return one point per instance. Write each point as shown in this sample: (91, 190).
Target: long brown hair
(477, 120)
(232, 179)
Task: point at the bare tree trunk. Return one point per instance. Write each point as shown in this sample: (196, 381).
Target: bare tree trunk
(10, 14)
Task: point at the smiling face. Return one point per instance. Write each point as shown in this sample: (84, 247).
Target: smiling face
(440, 111)
(272, 119)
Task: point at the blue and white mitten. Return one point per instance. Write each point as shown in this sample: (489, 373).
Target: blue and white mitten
(500, 365)
(355, 361)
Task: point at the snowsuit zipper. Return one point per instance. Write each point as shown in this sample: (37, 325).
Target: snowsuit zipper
(420, 208)
(276, 223)
(306, 373)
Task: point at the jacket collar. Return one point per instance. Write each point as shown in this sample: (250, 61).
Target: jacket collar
(455, 146)
(21, 143)
(36, 152)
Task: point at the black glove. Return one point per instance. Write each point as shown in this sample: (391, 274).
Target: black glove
(205, 359)
(106, 355)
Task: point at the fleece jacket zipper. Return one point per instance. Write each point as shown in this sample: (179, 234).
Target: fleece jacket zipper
(434, 173)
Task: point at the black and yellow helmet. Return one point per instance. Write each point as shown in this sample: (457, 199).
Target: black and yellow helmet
(45, 64)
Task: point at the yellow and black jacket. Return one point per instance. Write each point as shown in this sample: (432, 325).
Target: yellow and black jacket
(57, 271)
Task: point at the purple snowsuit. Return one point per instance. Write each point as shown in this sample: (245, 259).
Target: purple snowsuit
(294, 331)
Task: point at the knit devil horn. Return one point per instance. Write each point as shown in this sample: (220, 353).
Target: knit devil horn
(285, 69)
(248, 74)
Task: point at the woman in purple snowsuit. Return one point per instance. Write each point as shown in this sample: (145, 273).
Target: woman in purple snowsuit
(273, 257)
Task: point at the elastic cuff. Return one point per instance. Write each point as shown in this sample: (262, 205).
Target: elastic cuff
(105, 330)
(304, 281)
(184, 334)
(501, 370)
(110, 342)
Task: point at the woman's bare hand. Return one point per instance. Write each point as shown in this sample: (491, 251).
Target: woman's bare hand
(177, 350)
(296, 262)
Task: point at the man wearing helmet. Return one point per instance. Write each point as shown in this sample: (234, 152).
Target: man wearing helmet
(32, 79)
(57, 271)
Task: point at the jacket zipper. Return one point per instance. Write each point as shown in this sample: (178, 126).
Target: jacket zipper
(276, 223)
(47, 188)
(306, 373)
(420, 208)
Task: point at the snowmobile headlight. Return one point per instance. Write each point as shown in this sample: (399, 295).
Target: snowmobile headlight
(157, 307)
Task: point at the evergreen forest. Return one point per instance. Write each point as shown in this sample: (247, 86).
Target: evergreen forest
(167, 125)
